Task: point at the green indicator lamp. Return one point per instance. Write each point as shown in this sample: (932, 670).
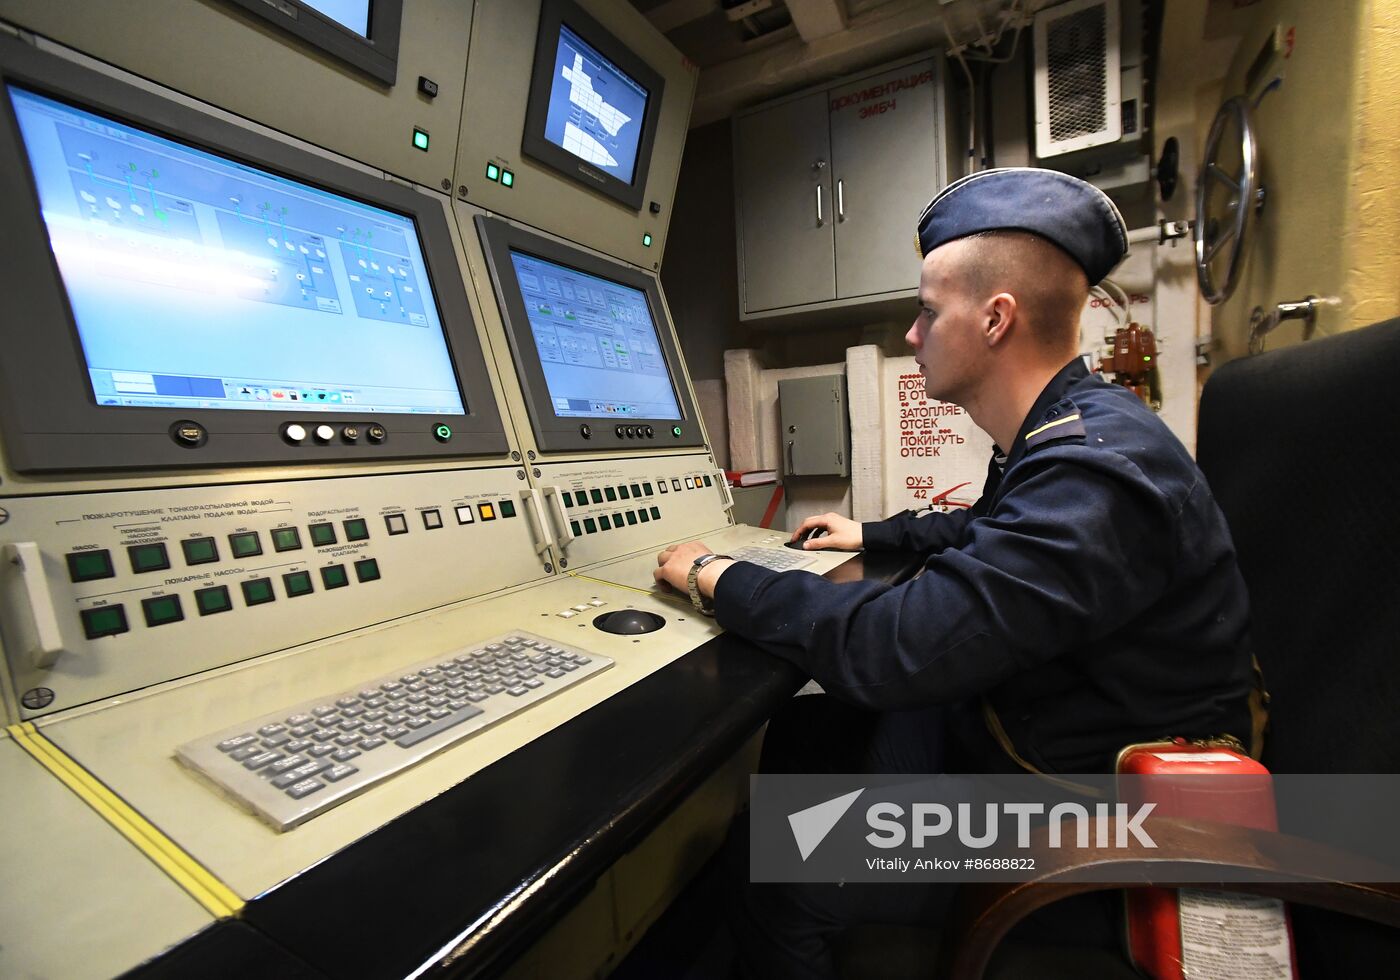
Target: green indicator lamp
(420, 139)
(646, 240)
(442, 432)
(507, 178)
(676, 431)
(493, 172)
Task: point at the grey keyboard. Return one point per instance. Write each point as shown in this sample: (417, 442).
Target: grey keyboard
(290, 765)
(778, 559)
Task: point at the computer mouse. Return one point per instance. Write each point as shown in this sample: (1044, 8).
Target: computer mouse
(815, 532)
(629, 622)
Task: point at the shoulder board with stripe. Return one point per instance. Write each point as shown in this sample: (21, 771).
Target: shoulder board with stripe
(1068, 426)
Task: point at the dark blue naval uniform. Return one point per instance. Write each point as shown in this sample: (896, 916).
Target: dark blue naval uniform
(1091, 596)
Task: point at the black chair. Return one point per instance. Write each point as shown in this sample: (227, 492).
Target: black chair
(1298, 447)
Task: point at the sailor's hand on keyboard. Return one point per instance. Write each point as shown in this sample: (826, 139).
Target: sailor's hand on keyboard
(841, 532)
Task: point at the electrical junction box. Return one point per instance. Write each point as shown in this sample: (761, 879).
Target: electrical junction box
(816, 430)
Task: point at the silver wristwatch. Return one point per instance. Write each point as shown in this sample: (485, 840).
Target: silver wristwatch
(692, 581)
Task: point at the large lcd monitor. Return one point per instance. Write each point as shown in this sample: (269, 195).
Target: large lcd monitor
(362, 33)
(594, 105)
(594, 352)
(186, 292)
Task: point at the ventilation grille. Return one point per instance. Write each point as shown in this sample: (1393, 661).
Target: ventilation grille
(1076, 70)
(1077, 77)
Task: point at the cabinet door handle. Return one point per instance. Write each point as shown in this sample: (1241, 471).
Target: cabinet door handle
(820, 222)
(840, 201)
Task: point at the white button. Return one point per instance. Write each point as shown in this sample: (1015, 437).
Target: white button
(596, 602)
(581, 608)
(294, 432)
(464, 514)
(325, 433)
(566, 614)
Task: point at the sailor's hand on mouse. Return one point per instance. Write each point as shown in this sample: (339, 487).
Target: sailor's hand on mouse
(840, 532)
(673, 567)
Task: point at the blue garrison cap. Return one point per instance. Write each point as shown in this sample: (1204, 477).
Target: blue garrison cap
(1073, 214)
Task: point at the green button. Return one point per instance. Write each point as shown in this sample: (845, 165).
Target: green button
(104, 621)
(286, 538)
(214, 599)
(622, 492)
(709, 482)
(420, 139)
(356, 529)
(636, 490)
(322, 534)
(631, 517)
(610, 492)
(648, 488)
(568, 499)
(148, 557)
(258, 591)
(597, 495)
(507, 508)
(297, 584)
(493, 172)
(367, 570)
(84, 566)
(200, 551)
(676, 431)
(643, 515)
(590, 525)
(162, 609)
(646, 239)
(573, 526)
(507, 178)
(334, 577)
(656, 513)
(604, 522)
(441, 432)
(245, 544)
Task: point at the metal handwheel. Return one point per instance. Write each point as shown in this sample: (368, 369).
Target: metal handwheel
(1227, 195)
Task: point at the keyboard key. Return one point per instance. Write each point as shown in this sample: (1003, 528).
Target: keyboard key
(371, 743)
(237, 742)
(316, 751)
(304, 788)
(261, 759)
(245, 753)
(344, 755)
(338, 772)
(434, 728)
(273, 741)
(299, 745)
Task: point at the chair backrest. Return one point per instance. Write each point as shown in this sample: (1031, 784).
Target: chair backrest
(1302, 450)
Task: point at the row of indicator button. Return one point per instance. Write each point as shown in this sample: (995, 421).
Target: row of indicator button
(161, 610)
(591, 526)
(397, 523)
(581, 498)
(87, 566)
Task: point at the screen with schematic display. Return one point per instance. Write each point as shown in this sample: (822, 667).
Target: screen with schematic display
(200, 282)
(596, 110)
(597, 343)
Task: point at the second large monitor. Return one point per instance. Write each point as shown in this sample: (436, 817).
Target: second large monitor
(596, 360)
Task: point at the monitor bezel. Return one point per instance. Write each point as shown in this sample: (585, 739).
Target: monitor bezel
(48, 413)
(376, 55)
(554, 434)
(534, 144)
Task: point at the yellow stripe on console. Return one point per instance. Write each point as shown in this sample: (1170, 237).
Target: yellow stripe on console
(184, 870)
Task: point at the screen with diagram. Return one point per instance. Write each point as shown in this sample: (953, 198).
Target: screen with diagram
(597, 343)
(199, 281)
(596, 110)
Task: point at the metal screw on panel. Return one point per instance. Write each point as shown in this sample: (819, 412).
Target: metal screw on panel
(531, 452)
(446, 184)
(536, 471)
(462, 190)
(548, 568)
(520, 474)
(38, 697)
(4, 515)
(515, 456)
(563, 563)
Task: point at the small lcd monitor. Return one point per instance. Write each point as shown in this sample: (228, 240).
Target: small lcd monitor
(198, 288)
(594, 105)
(362, 33)
(595, 355)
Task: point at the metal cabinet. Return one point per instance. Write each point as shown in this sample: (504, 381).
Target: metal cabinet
(816, 430)
(830, 182)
